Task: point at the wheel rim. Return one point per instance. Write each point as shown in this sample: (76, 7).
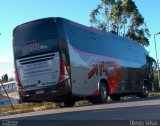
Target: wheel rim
(145, 91)
(103, 92)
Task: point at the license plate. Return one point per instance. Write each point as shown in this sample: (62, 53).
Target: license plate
(40, 92)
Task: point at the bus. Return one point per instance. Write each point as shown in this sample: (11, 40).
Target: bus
(11, 89)
(63, 61)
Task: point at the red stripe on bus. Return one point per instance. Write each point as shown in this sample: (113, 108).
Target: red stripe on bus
(96, 93)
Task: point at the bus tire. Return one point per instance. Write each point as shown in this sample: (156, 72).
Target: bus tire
(103, 94)
(144, 92)
(115, 97)
(69, 102)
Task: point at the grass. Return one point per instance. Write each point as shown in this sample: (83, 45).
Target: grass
(154, 94)
(82, 102)
(26, 107)
(31, 107)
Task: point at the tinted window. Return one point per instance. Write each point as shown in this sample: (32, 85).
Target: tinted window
(38, 47)
(93, 43)
(106, 44)
(42, 29)
(77, 37)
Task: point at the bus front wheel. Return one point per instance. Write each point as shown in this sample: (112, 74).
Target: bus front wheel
(144, 92)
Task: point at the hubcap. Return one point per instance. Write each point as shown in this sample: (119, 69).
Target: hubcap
(103, 92)
(145, 91)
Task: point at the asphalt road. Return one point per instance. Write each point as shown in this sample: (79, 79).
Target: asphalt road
(134, 112)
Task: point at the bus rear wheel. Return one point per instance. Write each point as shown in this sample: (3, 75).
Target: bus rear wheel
(103, 94)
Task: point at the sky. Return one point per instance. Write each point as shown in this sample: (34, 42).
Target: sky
(16, 12)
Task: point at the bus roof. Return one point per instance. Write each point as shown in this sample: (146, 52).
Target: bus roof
(38, 20)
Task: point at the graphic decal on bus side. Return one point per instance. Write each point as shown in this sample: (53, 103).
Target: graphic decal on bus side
(102, 65)
(112, 72)
(101, 68)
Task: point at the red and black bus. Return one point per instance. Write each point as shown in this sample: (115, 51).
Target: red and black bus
(60, 60)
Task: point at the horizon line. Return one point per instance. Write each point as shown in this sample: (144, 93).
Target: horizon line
(6, 63)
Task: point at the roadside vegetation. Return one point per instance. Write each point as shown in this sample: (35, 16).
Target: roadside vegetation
(26, 107)
(32, 107)
(154, 94)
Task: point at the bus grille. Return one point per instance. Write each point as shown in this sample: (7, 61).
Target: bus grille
(37, 58)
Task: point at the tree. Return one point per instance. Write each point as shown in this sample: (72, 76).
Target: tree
(5, 78)
(11, 79)
(120, 17)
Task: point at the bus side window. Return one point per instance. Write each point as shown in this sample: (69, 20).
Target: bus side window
(77, 37)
